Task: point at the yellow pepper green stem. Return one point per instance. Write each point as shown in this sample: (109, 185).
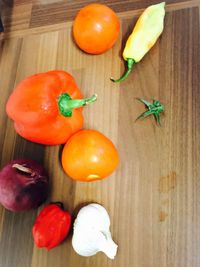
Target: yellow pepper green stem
(144, 35)
(130, 63)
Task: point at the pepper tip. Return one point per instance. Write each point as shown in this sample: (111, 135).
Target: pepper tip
(113, 80)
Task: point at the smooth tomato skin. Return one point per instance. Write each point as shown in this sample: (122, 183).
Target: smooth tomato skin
(96, 28)
(89, 155)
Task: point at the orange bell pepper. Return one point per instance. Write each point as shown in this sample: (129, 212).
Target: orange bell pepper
(47, 108)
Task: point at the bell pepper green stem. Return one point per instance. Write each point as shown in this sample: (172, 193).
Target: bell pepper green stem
(66, 104)
(130, 63)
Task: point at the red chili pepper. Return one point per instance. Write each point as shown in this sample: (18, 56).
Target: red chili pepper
(47, 107)
(51, 226)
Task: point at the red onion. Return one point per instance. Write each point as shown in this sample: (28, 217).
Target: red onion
(23, 185)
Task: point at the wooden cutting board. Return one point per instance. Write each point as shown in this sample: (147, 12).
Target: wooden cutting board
(153, 197)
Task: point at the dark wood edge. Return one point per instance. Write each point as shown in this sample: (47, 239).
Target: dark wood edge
(1, 25)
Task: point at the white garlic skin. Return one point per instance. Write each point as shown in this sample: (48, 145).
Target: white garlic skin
(92, 233)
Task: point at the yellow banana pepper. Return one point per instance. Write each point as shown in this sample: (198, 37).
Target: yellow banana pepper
(145, 34)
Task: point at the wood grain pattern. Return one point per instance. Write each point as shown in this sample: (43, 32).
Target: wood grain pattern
(44, 14)
(153, 197)
(29, 14)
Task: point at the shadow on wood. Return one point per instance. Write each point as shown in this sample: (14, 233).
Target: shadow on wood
(5, 13)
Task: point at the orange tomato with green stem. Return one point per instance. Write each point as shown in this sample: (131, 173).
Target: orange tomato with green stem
(89, 155)
(96, 28)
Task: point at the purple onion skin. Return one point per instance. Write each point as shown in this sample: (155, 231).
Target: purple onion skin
(21, 190)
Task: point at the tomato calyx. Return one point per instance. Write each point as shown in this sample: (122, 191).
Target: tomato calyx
(67, 104)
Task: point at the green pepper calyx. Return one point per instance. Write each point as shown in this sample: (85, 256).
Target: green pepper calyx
(66, 104)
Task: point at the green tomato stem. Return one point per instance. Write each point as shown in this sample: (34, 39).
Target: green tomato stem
(155, 108)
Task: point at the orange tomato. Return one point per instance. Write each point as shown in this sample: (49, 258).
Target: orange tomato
(89, 155)
(96, 28)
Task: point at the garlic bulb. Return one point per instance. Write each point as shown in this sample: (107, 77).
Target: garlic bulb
(91, 232)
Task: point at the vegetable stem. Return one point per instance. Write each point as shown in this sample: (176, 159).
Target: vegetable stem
(109, 247)
(67, 104)
(155, 109)
(130, 63)
(58, 203)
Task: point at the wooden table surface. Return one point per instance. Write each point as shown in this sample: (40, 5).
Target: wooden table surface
(153, 197)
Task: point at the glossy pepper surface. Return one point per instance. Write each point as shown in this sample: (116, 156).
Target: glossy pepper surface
(51, 226)
(145, 34)
(47, 108)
